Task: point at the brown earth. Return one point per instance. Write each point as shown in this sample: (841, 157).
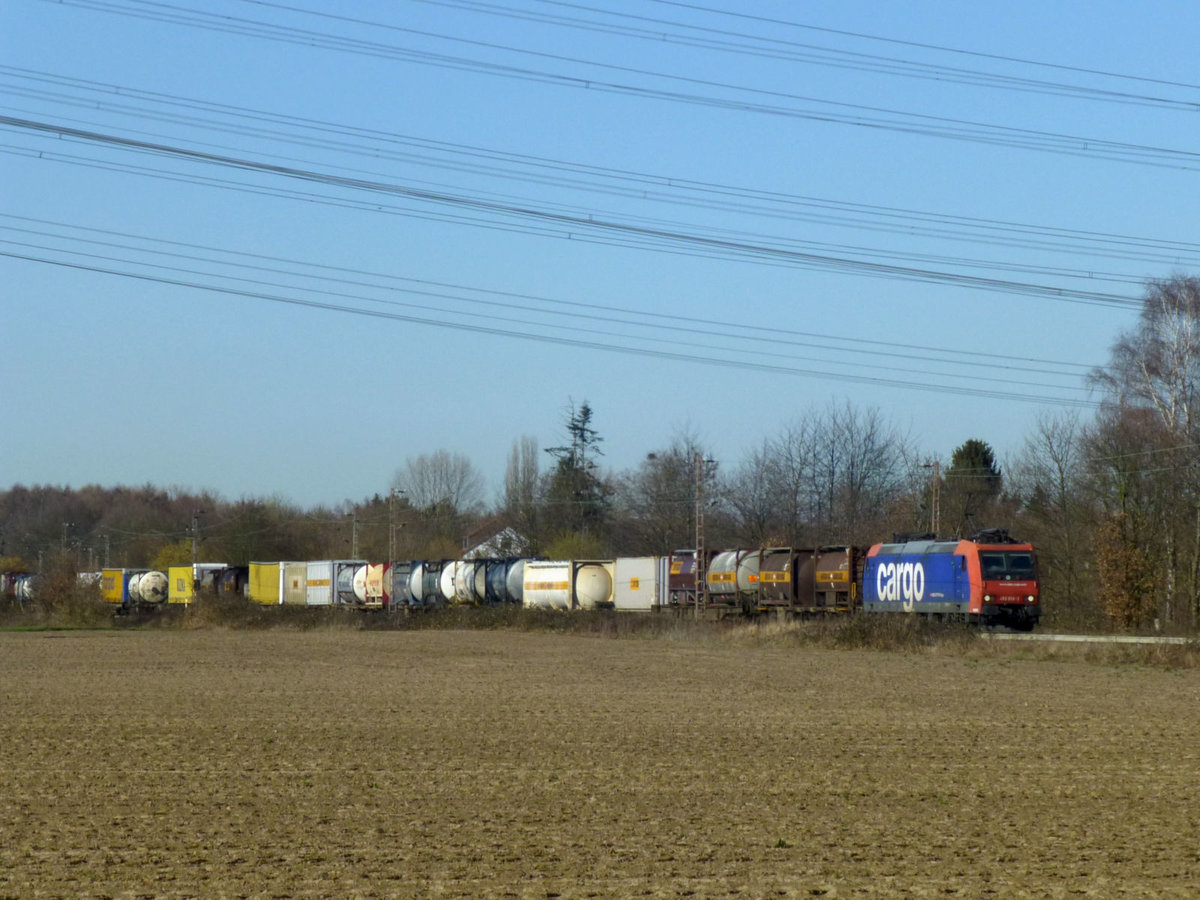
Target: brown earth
(496, 764)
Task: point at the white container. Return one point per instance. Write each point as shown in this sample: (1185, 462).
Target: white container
(318, 585)
(640, 584)
(566, 584)
(547, 585)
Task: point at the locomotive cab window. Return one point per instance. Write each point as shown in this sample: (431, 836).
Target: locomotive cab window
(1007, 566)
(1020, 565)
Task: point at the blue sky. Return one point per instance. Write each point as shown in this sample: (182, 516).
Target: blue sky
(538, 202)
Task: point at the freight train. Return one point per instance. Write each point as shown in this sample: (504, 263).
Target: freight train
(988, 579)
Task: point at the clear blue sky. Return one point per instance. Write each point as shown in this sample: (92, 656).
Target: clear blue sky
(835, 201)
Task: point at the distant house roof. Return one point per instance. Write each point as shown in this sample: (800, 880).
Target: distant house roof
(489, 542)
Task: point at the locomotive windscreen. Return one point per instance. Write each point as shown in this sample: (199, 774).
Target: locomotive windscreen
(1008, 565)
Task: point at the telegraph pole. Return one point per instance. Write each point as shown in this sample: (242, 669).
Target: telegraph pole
(195, 538)
(935, 511)
(701, 465)
(392, 524)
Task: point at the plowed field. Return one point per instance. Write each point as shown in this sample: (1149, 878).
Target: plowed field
(496, 764)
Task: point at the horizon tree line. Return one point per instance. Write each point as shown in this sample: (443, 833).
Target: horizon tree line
(1111, 503)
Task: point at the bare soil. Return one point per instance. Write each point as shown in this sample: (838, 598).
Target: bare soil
(215, 763)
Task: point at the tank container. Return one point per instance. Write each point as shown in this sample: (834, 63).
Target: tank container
(345, 572)
(566, 584)
(515, 581)
(378, 586)
(416, 583)
(152, 587)
(446, 582)
(733, 572)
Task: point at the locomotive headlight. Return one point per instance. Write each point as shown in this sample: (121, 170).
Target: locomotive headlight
(987, 598)
(1030, 598)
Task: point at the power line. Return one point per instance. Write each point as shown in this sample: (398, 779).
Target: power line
(663, 188)
(691, 358)
(924, 46)
(714, 331)
(858, 115)
(590, 225)
(775, 47)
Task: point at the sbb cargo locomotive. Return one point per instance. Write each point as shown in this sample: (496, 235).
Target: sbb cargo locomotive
(988, 579)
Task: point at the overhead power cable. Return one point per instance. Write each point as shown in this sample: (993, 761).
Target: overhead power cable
(691, 358)
(585, 224)
(715, 331)
(680, 4)
(145, 106)
(1090, 275)
(658, 188)
(775, 103)
(652, 28)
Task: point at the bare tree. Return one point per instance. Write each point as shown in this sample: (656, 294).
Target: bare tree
(521, 479)
(750, 492)
(874, 456)
(791, 471)
(1155, 368)
(658, 499)
(1051, 479)
(441, 480)
(827, 477)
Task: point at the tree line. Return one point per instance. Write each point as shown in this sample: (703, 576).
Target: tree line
(1112, 502)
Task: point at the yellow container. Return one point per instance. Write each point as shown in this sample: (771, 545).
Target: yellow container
(266, 583)
(113, 585)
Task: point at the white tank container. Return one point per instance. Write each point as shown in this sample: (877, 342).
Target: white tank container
(360, 584)
(515, 581)
(734, 571)
(416, 582)
(547, 585)
(152, 587)
(722, 573)
(565, 584)
(470, 581)
(749, 563)
(446, 582)
(593, 584)
(479, 582)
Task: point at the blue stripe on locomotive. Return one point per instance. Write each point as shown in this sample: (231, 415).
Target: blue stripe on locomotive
(921, 576)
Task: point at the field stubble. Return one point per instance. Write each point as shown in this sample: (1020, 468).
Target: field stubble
(345, 763)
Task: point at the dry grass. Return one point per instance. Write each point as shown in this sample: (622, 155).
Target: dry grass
(66, 605)
(222, 762)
